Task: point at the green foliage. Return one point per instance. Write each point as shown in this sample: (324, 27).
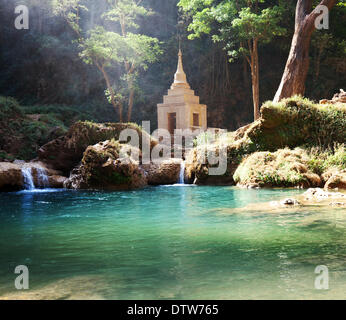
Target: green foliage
(42, 65)
(286, 179)
(102, 47)
(237, 22)
(126, 12)
(70, 10)
(283, 168)
(299, 121)
(141, 50)
(5, 156)
(106, 48)
(23, 129)
(241, 26)
(288, 168)
(129, 52)
(322, 160)
(204, 138)
(9, 109)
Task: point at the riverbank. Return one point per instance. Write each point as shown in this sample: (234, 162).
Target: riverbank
(295, 143)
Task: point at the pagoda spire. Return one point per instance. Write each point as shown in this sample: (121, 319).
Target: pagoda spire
(180, 76)
(181, 108)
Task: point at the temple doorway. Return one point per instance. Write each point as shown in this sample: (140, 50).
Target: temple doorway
(172, 122)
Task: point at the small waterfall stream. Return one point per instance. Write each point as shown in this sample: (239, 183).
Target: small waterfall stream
(182, 173)
(28, 179)
(42, 178)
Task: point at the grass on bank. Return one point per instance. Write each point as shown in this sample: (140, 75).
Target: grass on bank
(268, 151)
(290, 168)
(23, 129)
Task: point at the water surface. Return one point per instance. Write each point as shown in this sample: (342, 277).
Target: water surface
(174, 242)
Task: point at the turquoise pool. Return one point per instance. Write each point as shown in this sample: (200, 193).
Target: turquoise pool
(169, 242)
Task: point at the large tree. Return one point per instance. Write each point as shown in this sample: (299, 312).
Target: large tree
(297, 66)
(119, 48)
(241, 25)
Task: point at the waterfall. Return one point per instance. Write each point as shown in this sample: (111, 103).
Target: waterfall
(182, 173)
(42, 178)
(28, 180)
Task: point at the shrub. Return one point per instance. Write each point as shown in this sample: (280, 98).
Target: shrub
(322, 160)
(283, 168)
(296, 121)
(9, 109)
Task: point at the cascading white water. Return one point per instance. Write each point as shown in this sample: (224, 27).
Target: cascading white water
(182, 173)
(28, 179)
(42, 178)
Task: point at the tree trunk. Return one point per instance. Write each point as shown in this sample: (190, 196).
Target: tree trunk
(111, 91)
(255, 77)
(297, 66)
(120, 107)
(130, 106)
(130, 69)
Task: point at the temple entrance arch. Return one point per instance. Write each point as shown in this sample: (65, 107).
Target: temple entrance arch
(172, 122)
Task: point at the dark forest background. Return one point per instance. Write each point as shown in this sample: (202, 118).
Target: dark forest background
(41, 67)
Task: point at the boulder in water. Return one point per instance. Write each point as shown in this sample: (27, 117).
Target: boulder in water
(167, 172)
(320, 194)
(337, 180)
(20, 175)
(101, 168)
(290, 123)
(289, 202)
(56, 181)
(283, 168)
(11, 177)
(67, 151)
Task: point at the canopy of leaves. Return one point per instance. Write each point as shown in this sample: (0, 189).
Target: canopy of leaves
(126, 12)
(70, 10)
(35, 61)
(107, 47)
(233, 22)
(102, 47)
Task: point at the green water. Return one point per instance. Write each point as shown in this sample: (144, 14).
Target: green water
(169, 243)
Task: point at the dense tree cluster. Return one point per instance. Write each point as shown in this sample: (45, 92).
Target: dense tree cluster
(45, 65)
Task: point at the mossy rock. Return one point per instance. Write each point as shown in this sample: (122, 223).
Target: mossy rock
(283, 168)
(291, 123)
(297, 121)
(21, 135)
(101, 168)
(68, 150)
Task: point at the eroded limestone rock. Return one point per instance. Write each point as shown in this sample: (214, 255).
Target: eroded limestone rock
(289, 202)
(165, 173)
(101, 168)
(337, 180)
(320, 194)
(11, 175)
(67, 151)
(337, 98)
